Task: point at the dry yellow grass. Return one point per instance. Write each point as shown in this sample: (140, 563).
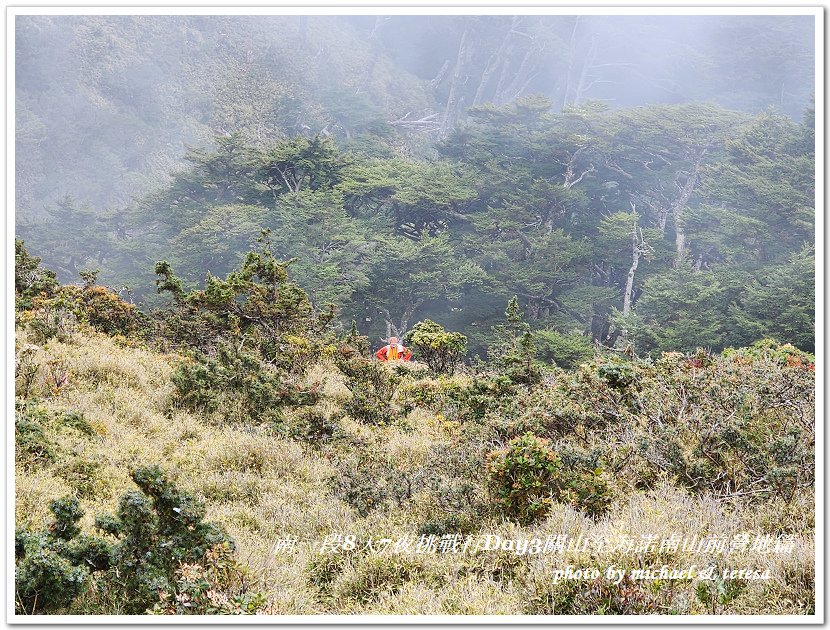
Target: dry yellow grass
(261, 488)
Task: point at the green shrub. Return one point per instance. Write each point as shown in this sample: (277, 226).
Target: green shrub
(563, 350)
(513, 349)
(104, 310)
(60, 314)
(373, 388)
(52, 568)
(719, 592)
(523, 476)
(240, 384)
(250, 334)
(26, 369)
(311, 425)
(742, 423)
(359, 343)
(52, 318)
(76, 420)
(81, 475)
(156, 530)
(32, 446)
(528, 477)
(481, 397)
(255, 306)
(30, 279)
(586, 484)
(617, 372)
(366, 484)
(35, 428)
(376, 576)
(769, 349)
(737, 455)
(46, 581)
(441, 350)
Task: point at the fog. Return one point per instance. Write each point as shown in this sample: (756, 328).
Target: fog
(105, 106)
(741, 62)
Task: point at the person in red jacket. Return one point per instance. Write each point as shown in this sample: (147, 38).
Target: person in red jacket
(394, 351)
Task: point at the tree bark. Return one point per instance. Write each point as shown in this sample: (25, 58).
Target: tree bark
(521, 79)
(571, 178)
(440, 76)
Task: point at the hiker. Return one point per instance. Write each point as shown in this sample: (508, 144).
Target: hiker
(394, 351)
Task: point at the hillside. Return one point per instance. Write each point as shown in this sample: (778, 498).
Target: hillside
(593, 235)
(717, 446)
(664, 227)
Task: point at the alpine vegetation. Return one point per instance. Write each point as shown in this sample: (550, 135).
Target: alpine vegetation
(414, 315)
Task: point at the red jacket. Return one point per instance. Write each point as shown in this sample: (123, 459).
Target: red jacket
(403, 353)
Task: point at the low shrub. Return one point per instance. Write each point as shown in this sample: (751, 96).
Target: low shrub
(366, 484)
(157, 529)
(442, 350)
(441, 395)
(26, 369)
(61, 314)
(311, 425)
(36, 429)
(53, 567)
(513, 349)
(615, 371)
(523, 476)
(104, 310)
(75, 420)
(82, 476)
(51, 318)
(527, 477)
(30, 279)
(376, 576)
(373, 388)
(563, 350)
(32, 446)
(159, 538)
(719, 592)
(239, 383)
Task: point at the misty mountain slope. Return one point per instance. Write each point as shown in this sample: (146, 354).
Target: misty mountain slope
(408, 473)
(106, 104)
(667, 227)
(596, 234)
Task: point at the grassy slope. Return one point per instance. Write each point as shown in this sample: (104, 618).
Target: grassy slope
(261, 488)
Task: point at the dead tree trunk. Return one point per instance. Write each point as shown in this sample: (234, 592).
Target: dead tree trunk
(451, 110)
(679, 207)
(571, 55)
(639, 248)
(571, 178)
(583, 74)
(493, 63)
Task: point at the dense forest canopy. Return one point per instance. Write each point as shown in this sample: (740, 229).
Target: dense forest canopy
(638, 181)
